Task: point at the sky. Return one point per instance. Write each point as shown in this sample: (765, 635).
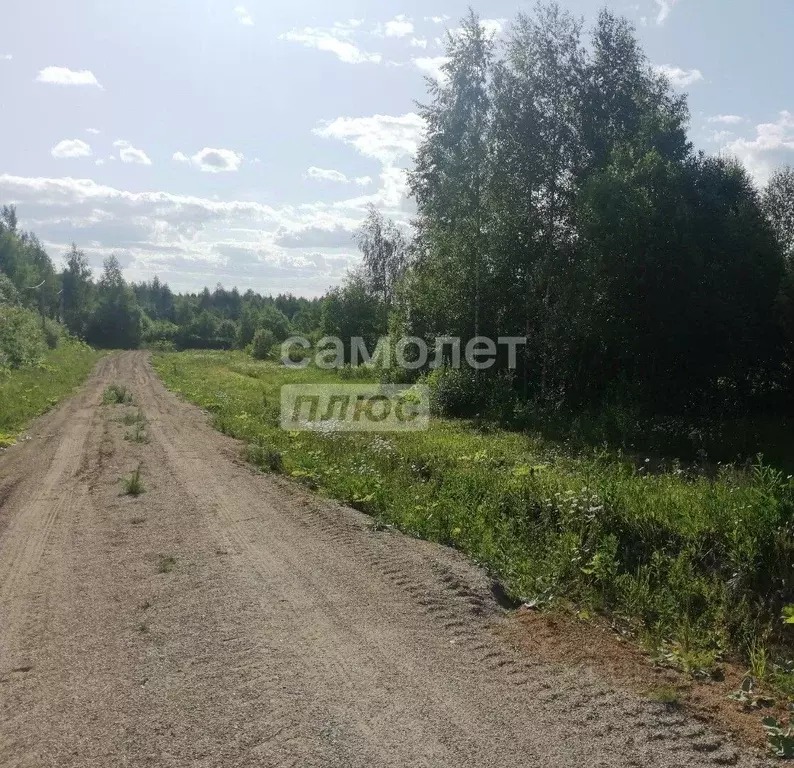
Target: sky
(210, 142)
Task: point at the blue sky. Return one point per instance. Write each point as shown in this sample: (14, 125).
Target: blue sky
(209, 141)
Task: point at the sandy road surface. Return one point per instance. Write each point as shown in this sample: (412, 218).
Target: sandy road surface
(227, 618)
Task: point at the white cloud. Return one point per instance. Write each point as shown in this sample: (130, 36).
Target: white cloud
(431, 66)
(191, 241)
(212, 160)
(336, 40)
(773, 145)
(391, 140)
(437, 19)
(349, 24)
(95, 131)
(99, 161)
(665, 7)
(243, 16)
(6, 56)
(130, 154)
(323, 174)
(719, 137)
(417, 42)
(726, 119)
(69, 148)
(679, 78)
(383, 137)
(66, 76)
(399, 26)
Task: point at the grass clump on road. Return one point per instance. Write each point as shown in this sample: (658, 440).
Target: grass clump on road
(117, 394)
(698, 566)
(133, 484)
(133, 417)
(166, 563)
(138, 433)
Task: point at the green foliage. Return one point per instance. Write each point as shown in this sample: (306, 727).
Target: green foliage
(77, 293)
(159, 332)
(384, 250)
(116, 394)
(117, 321)
(747, 696)
(351, 311)
(559, 200)
(665, 694)
(138, 433)
(8, 291)
(133, 417)
(779, 737)
(31, 390)
(697, 565)
(466, 392)
(22, 339)
(262, 344)
(132, 485)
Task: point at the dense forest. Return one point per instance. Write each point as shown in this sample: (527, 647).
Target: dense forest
(558, 199)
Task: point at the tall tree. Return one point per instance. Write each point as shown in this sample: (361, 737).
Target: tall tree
(117, 320)
(778, 201)
(452, 167)
(384, 250)
(76, 292)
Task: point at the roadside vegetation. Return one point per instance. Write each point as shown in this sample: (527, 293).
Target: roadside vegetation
(697, 564)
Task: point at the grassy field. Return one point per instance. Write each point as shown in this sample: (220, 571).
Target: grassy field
(698, 567)
(33, 389)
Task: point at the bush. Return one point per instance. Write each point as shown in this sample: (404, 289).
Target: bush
(53, 333)
(466, 392)
(262, 344)
(8, 291)
(22, 340)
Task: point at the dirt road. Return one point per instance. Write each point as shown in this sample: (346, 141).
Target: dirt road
(227, 618)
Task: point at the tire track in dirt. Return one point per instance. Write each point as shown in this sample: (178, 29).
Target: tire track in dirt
(227, 618)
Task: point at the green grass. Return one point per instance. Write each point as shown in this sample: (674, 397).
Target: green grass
(697, 566)
(138, 433)
(131, 418)
(31, 390)
(133, 484)
(166, 563)
(116, 394)
(666, 694)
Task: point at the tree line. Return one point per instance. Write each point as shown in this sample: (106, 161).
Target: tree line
(558, 198)
(113, 313)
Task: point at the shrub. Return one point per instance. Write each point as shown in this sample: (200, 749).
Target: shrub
(466, 392)
(53, 333)
(262, 344)
(116, 394)
(21, 338)
(133, 485)
(8, 291)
